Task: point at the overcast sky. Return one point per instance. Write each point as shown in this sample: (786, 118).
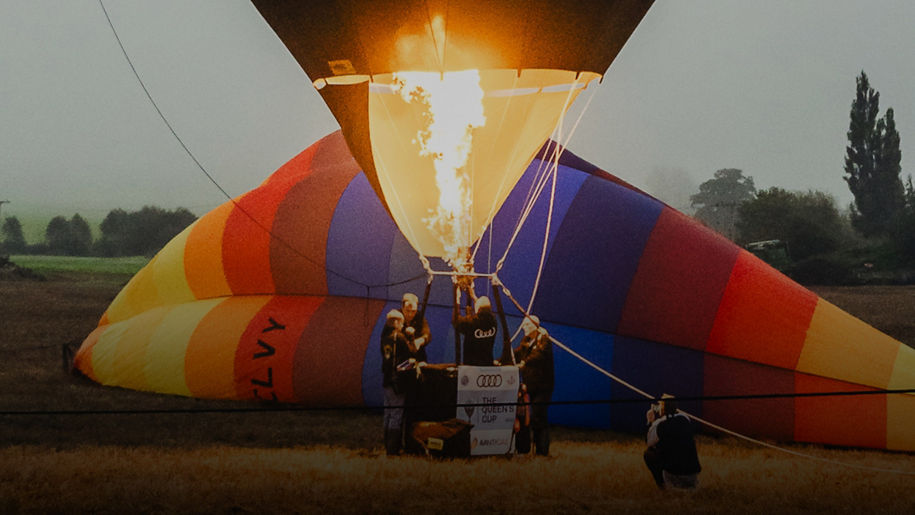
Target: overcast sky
(701, 85)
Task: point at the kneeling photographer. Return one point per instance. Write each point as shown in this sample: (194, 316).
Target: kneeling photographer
(671, 455)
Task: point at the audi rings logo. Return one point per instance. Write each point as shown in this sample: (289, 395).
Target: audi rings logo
(489, 380)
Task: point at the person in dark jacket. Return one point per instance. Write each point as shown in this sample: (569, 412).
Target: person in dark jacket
(394, 351)
(534, 356)
(671, 455)
(479, 330)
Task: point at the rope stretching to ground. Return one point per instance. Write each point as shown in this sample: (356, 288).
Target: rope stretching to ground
(702, 420)
(238, 206)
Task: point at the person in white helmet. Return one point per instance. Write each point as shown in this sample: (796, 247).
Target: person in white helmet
(479, 330)
(534, 356)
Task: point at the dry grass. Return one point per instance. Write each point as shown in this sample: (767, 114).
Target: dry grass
(332, 461)
(579, 477)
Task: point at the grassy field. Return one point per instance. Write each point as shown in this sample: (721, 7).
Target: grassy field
(87, 266)
(332, 461)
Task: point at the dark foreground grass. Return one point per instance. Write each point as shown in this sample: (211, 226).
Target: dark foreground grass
(599, 477)
(332, 461)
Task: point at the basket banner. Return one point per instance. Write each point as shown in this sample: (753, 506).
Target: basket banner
(492, 425)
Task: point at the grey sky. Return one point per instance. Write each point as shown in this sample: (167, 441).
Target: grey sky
(701, 85)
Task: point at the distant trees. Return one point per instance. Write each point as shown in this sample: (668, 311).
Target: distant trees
(903, 235)
(809, 222)
(68, 237)
(13, 239)
(872, 164)
(141, 232)
(123, 233)
(719, 199)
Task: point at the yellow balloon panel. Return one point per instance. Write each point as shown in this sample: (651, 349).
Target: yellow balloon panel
(118, 357)
(841, 346)
(904, 370)
(164, 362)
(169, 274)
(140, 293)
(520, 111)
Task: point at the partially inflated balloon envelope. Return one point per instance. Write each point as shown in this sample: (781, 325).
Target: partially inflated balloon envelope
(282, 295)
(444, 102)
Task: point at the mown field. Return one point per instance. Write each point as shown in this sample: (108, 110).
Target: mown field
(88, 267)
(194, 458)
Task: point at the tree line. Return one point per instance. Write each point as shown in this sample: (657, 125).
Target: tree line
(819, 243)
(122, 233)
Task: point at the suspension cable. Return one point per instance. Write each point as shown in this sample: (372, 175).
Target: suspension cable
(558, 149)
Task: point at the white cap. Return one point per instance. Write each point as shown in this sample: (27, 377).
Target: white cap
(410, 299)
(482, 302)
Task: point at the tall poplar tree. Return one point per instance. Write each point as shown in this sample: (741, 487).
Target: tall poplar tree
(872, 163)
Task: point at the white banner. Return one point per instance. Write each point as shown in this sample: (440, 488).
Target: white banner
(492, 425)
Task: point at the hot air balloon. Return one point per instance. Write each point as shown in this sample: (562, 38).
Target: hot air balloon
(282, 293)
(444, 103)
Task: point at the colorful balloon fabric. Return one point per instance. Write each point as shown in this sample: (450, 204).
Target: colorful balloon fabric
(281, 295)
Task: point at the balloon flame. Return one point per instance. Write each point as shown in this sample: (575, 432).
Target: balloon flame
(454, 107)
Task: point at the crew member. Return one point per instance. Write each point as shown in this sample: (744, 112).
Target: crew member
(478, 327)
(415, 327)
(535, 360)
(394, 351)
(671, 455)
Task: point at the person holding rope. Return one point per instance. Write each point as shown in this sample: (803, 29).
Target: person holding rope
(478, 327)
(416, 329)
(671, 455)
(535, 360)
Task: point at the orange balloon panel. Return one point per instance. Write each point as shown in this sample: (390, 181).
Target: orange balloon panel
(203, 255)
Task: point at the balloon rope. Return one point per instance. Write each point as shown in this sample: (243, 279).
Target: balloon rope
(491, 149)
(541, 183)
(504, 178)
(796, 453)
(546, 238)
(394, 193)
(701, 420)
(554, 171)
(212, 179)
(577, 355)
(557, 153)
